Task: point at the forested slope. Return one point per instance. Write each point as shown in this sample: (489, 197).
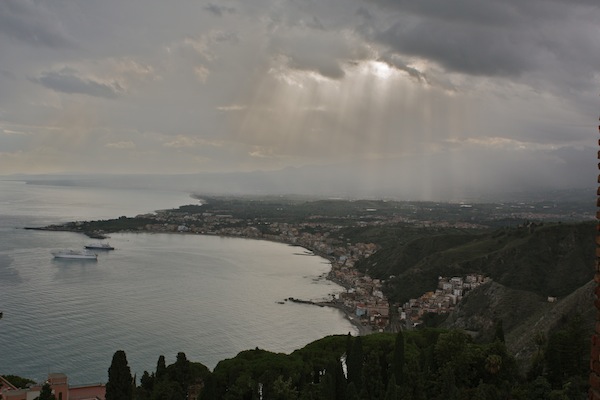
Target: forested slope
(545, 259)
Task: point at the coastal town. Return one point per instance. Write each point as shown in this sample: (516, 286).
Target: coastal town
(363, 300)
(355, 237)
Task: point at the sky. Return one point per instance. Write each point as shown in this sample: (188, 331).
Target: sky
(386, 95)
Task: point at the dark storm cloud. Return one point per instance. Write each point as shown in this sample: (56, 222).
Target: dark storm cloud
(66, 81)
(483, 12)
(31, 22)
(488, 38)
(471, 50)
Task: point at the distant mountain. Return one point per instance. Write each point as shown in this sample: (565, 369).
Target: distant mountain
(377, 179)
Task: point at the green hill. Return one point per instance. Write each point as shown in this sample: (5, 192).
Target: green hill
(545, 259)
(527, 264)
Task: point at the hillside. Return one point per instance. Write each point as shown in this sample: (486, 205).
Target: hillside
(525, 315)
(544, 259)
(527, 264)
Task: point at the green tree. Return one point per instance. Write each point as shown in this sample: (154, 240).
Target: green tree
(144, 391)
(17, 381)
(244, 388)
(391, 392)
(334, 379)
(119, 385)
(351, 392)
(372, 383)
(493, 363)
(398, 360)
(147, 381)
(538, 359)
(485, 391)
(447, 383)
(567, 353)
(354, 363)
(539, 389)
(499, 333)
(167, 390)
(46, 393)
(348, 345)
(180, 371)
(161, 368)
(283, 389)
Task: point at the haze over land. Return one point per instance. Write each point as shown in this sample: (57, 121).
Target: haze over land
(419, 100)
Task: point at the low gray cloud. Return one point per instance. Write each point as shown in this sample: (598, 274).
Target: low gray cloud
(219, 10)
(393, 61)
(29, 21)
(67, 81)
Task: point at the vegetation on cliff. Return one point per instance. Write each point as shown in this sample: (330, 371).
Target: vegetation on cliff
(551, 259)
(421, 364)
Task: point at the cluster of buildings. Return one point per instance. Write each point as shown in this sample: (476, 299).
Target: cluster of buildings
(60, 389)
(443, 300)
(363, 297)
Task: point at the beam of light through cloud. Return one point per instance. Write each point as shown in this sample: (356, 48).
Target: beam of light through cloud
(393, 96)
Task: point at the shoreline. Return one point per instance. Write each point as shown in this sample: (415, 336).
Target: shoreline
(363, 330)
(348, 314)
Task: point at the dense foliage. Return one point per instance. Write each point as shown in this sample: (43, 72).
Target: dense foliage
(421, 365)
(425, 364)
(18, 381)
(173, 382)
(546, 259)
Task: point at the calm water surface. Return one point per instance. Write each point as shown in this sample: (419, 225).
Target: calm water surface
(209, 297)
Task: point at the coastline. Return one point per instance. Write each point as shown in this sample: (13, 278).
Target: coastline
(348, 314)
(363, 330)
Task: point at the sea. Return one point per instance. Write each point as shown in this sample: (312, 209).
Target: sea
(157, 294)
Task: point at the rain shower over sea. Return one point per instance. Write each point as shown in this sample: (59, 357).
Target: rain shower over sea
(155, 294)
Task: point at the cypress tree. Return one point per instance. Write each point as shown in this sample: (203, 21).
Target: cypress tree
(351, 392)
(147, 381)
(372, 382)
(336, 374)
(144, 391)
(391, 392)
(46, 393)
(354, 363)
(161, 368)
(398, 361)
(181, 371)
(119, 385)
(348, 345)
